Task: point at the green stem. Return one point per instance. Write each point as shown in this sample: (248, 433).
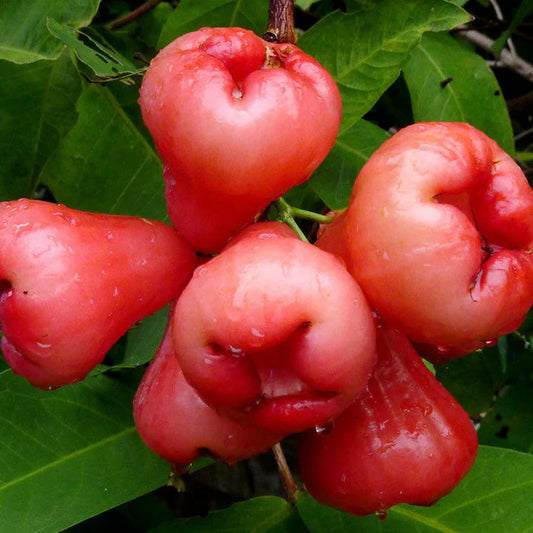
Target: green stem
(310, 215)
(285, 216)
(287, 213)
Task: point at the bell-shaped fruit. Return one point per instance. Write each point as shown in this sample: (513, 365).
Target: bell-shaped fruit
(237, 122)
(275, 331)
(179, 426)
(73, 282)
(404, 440)
(439, 234)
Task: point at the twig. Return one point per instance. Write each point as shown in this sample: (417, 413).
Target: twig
(499, 16)
(291, 488)
(135, 14)
(506, 59)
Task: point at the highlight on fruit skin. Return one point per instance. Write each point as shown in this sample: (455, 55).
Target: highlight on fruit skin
(404, 440)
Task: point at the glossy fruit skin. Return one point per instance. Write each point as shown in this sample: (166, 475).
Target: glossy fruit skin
(74, 282)
(275, 331)
(439, 234)
(404, 440)
(237, 122)
(179, 426)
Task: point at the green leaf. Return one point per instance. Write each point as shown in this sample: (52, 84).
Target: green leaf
(24, 37)
(191, 15)
(449, 82)
(105, 164)
(364, 51)
(333, 180)
(496, 388)
(304, 4)
(266, 514)
(102, 59)
(495, 496)
(471, 381)
(69, 454)
(143, 340)
(38, 109)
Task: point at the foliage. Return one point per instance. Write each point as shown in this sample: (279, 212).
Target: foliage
(70, 131)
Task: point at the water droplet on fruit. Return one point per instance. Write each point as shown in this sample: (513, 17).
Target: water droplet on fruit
(325, 429)
(257, 333)
(20, 228)
(43, 345)
(235, 352)
(70, 219)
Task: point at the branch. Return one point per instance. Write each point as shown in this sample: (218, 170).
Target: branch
(506, 59)
(135, 14)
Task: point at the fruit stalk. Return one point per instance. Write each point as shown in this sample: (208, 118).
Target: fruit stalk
(280, 28)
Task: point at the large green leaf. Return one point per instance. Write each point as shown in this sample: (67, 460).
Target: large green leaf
(333, 180)
(449, 82)
(191, 15)
(69, 454)
(24, 37)
(266, 514)
(105, 163)
(496, 496)
(38, 109)
(365, 50)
